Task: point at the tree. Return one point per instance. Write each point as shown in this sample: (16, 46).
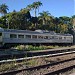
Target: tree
(3, 9)
(64, 19)
(19, 20)
(34, 6)
(45, 16)
(3, 22)
(56, 22)
(64, 28)
(29, 7)
(73, 21)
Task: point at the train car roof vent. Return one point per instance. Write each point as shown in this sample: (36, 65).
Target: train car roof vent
(40, 31)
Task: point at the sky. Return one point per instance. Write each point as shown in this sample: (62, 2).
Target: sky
(56, 8)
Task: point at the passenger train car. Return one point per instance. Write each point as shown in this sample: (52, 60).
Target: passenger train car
(13, 36)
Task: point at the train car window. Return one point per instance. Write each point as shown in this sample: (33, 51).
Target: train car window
(0, 34)
(60, 37)
(52, 37)
(64, 37)
(28, 36)
(45, 37)
(20, 36)
(34, 36)
(40, 37)
(68, 38)
(13, 36)
(55, 37)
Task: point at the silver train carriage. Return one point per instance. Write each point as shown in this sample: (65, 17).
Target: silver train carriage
(13, 36)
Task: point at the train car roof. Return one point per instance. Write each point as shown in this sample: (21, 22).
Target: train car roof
(33, 32)
(28, 31)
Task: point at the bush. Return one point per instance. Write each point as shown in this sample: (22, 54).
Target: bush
(30, 47)
(20, 47)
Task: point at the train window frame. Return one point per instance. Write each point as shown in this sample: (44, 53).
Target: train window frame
(28, 36)
(60, 38)
(34, 36)
(13, 35)
(64, 37)
(20, 36)
(53, 37)
(40, 37)
(50, 37)
(68, 38)
(45, 37)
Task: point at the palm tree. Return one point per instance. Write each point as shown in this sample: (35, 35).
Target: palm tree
(3, 9)
(45, 16)
(36, 6)
(39, 4)
(29, 7)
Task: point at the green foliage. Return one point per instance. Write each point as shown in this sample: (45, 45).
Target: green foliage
(34, 6)
(30, 47)
(19, 47)
(45, 21)
(3, 9)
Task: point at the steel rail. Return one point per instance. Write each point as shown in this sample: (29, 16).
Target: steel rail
(39, 67)
(35, 57)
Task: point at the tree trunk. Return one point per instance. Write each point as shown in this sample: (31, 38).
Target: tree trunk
(35, 12)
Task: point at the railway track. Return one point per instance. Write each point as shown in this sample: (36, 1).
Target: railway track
(45, 69)
(35, 57)
(58, 60)
(10, 54)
